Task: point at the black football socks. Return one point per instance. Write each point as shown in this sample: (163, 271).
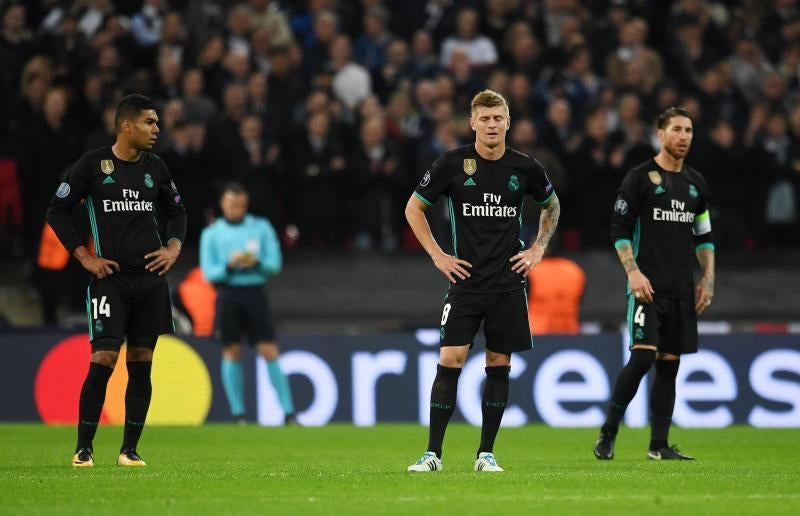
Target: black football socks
(93, 395)
(493, 404)
(443, 404)
(626, 386)
(662, 402)
(137, 402)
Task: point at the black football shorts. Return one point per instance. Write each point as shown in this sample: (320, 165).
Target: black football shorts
(504, 316)
(133, 306)
(243, 312)
(668, 323)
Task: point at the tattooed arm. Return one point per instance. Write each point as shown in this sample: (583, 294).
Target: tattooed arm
(640, 285)
(704, 291)
(548, 221)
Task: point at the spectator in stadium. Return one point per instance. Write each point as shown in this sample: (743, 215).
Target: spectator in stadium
(238, 253)
(197, 106)
(379, 185)
(369, 49)
(317, 181)
(480, 49)
(351, 82)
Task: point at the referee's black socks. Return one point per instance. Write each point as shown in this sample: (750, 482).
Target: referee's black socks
(626, 386)
(662, 402)
(443, 404)
(493, 404)
(137, 402)
(93, 395)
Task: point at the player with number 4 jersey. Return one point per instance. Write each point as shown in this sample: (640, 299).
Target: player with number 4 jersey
(659, 224)
(485, 185)
(126, 190)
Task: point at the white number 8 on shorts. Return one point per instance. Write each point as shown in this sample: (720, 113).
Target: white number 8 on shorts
(445, 313)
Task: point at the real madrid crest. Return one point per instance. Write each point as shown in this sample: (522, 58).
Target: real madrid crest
(655, 177)
(470, 166)
(107, 166)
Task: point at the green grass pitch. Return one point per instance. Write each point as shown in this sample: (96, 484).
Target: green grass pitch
(340, 469)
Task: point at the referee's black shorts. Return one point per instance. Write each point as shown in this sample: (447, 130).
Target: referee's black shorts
(132, 306)
(669, 324)
(243, 312)
(504, 316)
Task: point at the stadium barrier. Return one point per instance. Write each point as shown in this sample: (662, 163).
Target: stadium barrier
(366, 379)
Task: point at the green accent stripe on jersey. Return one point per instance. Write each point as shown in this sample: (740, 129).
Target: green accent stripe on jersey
(93, 224)
(453, 226)
(527, 311)
(637, 235)
(157, 235)
(622, 241)
(707, 245)
(421, 198)
(703, 216)
(89, 315)
(631, 304)
(546, 200)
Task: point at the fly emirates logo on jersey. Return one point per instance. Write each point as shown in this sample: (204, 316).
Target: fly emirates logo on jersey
(490, 208)
(130, 202)
(676, 214)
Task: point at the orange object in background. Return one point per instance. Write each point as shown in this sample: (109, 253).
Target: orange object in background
(199, 297)
(52, 255)
(555, 290)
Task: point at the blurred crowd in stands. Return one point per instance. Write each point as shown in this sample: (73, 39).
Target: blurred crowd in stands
(330, 111)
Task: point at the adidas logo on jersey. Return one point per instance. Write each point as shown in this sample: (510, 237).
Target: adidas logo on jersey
(660, 190)
(108, 180)
(470, 182)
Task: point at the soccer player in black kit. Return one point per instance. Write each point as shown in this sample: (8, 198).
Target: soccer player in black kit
(485, 185)
(660, 222)
(125, 189)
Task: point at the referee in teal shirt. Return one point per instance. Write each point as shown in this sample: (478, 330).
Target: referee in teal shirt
(237, 254)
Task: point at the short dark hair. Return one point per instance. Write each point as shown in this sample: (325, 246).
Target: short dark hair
(233, 187)
(130, 106)
(668, 114)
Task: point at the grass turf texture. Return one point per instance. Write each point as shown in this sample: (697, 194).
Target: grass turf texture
(227, 469)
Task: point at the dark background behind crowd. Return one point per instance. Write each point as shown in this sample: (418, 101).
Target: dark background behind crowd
(329, 111)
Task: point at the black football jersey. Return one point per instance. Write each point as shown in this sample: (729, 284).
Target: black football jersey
(124, 201)
(664, 216)
(485, 201)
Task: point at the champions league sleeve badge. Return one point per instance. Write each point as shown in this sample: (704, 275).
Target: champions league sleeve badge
(621, 206)
(63, 190)
(426, 179)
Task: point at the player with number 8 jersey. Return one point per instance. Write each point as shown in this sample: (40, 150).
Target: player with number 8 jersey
(485, 185)
(126, 190)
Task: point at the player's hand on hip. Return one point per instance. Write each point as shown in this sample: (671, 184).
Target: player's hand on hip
(526, 260)
(98, 266)
(162, 260)
(640, 286)
(452, 267)
(703, 293)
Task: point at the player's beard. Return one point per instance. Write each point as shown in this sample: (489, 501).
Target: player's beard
(675, 152)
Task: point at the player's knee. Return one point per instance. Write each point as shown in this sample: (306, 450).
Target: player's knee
(105, 358)
(668, 357)
(453, 356)
(667, 367)
(138, 354)
(497, 359)
(269, 350)
(642, 358)
(232, 352)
